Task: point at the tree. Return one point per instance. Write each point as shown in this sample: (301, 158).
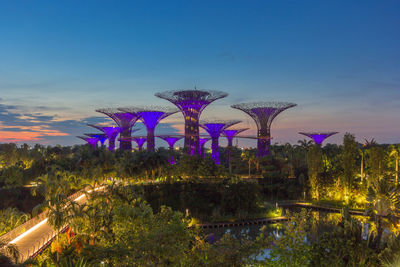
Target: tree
(383, 207)
(377, 160)
(349, 156)
(315, 168)
(395, 153)
(250, 158)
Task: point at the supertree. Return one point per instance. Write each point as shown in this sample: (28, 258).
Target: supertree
(318, 137)
(90, 140)
(263, 113)
(230, 134)
(111, 133)
(125, 120)
(101, 137)
(191, 103)
(139, 140)
(151, 116)
(203, 141)
(171, 140)
(214, 129)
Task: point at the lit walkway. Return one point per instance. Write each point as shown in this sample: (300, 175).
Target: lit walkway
(36, 237)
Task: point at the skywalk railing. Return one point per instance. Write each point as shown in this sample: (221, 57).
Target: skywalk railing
(32, 222)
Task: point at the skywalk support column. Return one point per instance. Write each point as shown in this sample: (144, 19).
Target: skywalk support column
(191, 103)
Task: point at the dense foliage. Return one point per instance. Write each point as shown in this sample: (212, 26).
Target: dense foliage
(145, 214)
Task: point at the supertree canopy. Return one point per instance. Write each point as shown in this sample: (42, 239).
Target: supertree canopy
(191, 103)
(151, 116)
(90, 140)
(214, 129)
(203, 141)
(171, 140)
(318, 137)
(111, 133)
(125, 120)
(101, 137)
(263, 113)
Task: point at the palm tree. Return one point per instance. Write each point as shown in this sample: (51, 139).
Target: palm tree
(395, 153)
(305, 144)
(383, 206)
(367, 144)
(9, 251)
(250, 158)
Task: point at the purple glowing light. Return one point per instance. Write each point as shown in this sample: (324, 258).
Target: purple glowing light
(101, 137)
(171, 140)
(318, 137)
(90, 140)
(110, 132)
(202, 142)
(139, 141)
(230, 134)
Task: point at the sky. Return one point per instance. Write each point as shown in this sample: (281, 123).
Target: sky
(338, 60)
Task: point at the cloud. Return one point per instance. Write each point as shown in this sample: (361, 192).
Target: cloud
(18, 125)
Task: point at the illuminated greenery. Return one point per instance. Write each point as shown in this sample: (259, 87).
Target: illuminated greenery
(144, 214)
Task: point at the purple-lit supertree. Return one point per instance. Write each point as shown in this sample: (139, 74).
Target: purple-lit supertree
(171, 140)
(318, 137)
(101, 137)
(263, 113)
(110, 132)
(151, 116)
(215, 129)
(203, 141)
(191, 103)
(90, 140)
(230, 134)
(125, 120)
(139, 140)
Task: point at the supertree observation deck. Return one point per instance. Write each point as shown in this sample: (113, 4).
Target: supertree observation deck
(318, 137)
(215, 129)
(125, 120)
(110, 132)
(90, 140)
(151, 116)
(263, 113)
(101, 137)
(171, 140)
(203, 141)
(191, 103)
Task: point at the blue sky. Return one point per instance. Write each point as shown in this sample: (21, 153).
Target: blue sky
(338, 60)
